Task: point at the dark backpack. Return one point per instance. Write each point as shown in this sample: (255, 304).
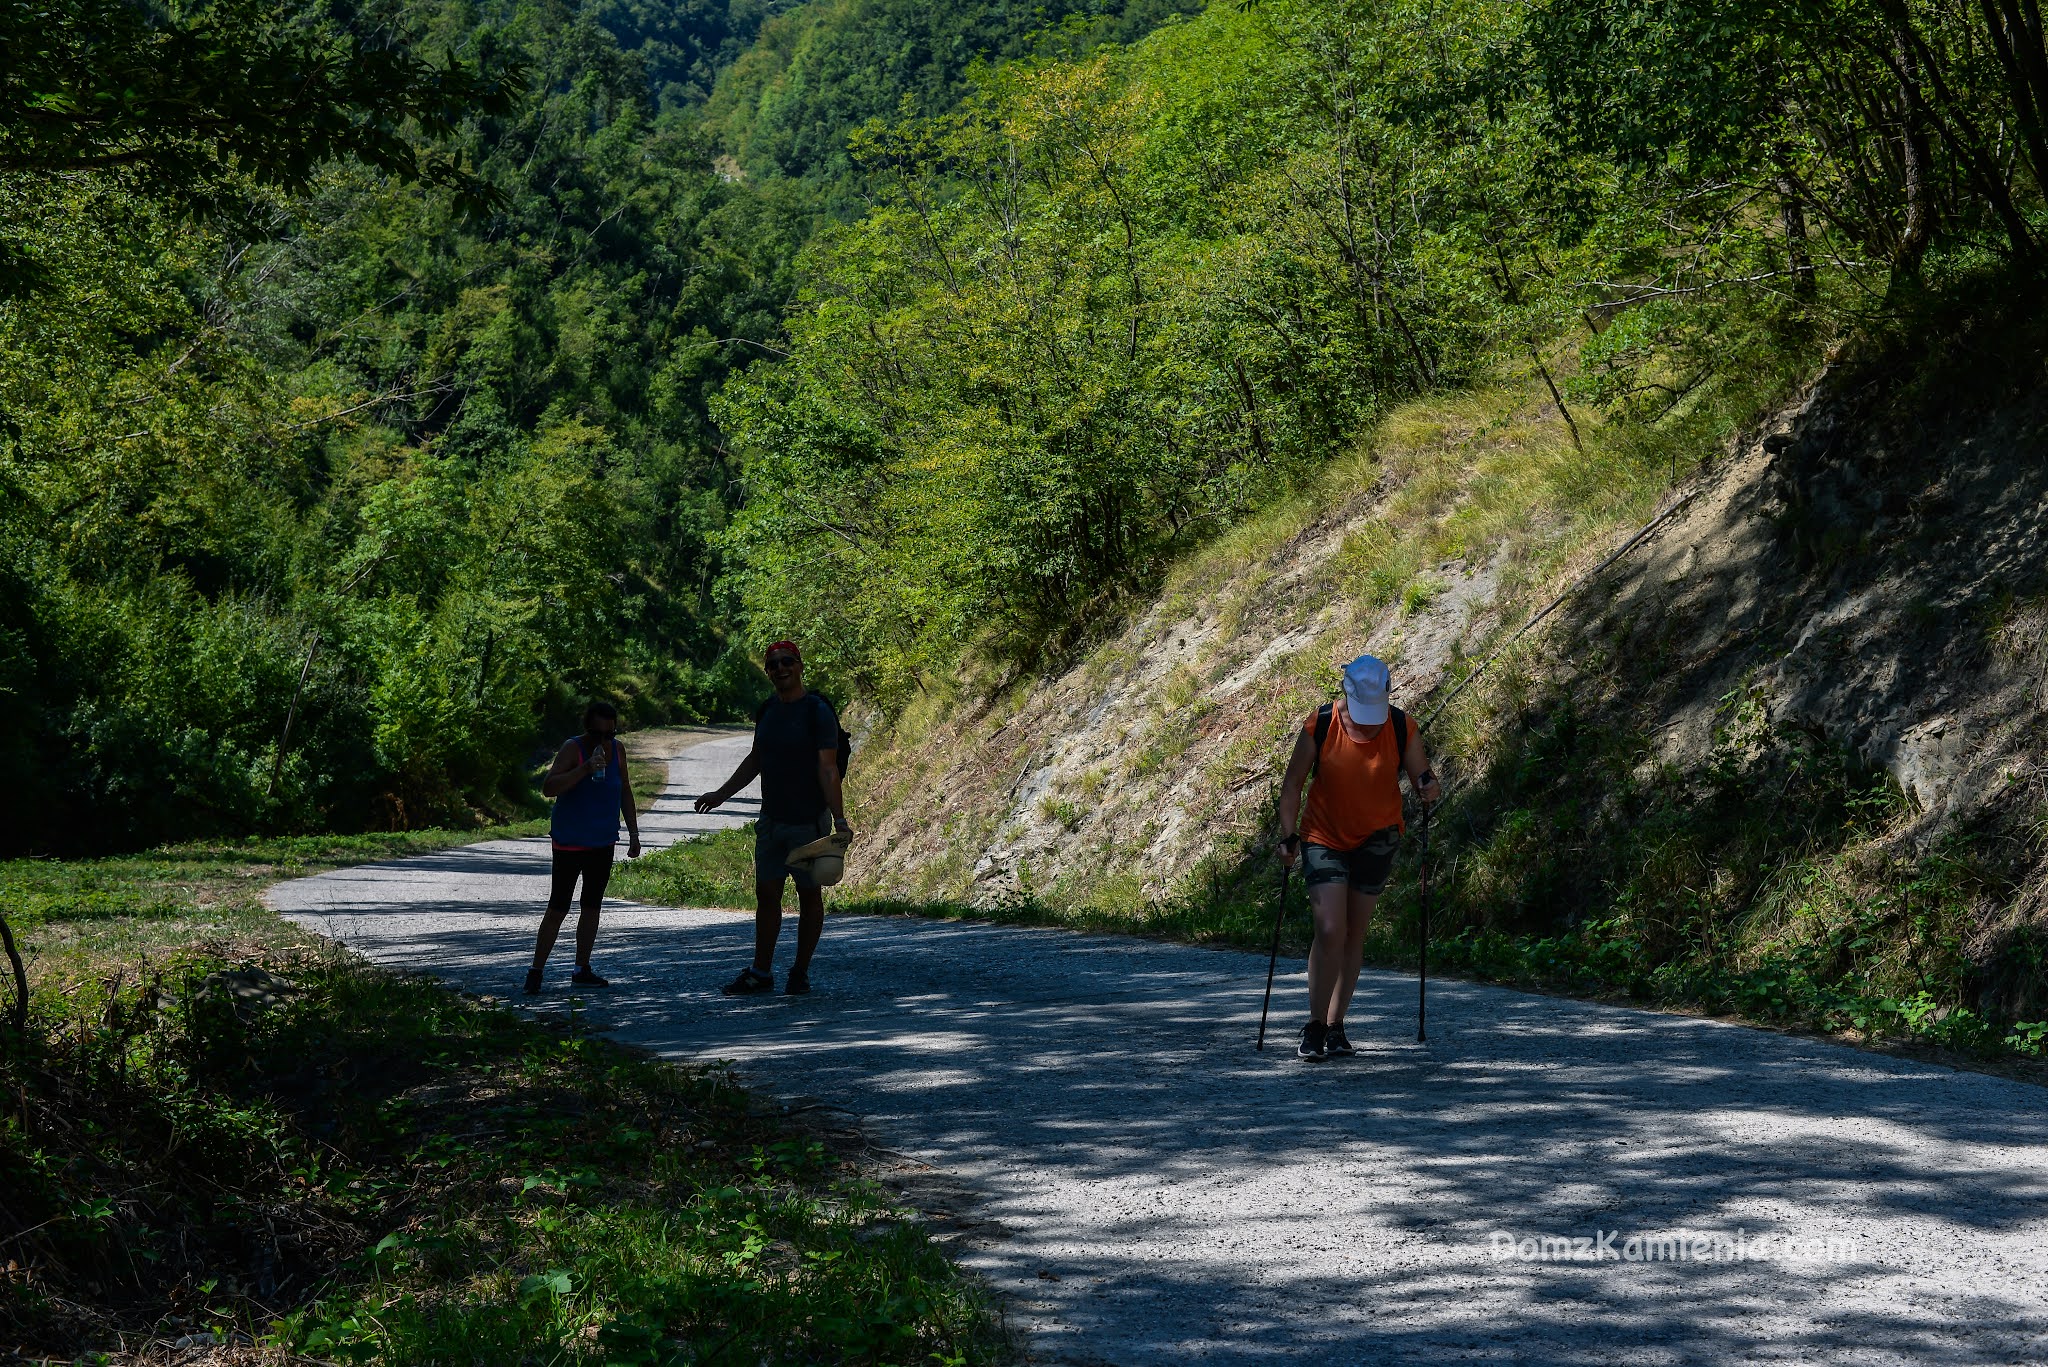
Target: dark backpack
(1328, 710)
(845, 746)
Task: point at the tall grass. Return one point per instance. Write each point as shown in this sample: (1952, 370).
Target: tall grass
(715, 870)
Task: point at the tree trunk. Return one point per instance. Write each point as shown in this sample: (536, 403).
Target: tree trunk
(290, 714)
(20, 1011)
(1919, 225)
(1251, 412)
(2017, 38)
(1941, 108)
(1558, 399)
(1792, 213)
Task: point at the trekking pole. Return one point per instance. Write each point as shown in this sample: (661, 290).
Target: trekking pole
(1422, 964)
(1278, 917)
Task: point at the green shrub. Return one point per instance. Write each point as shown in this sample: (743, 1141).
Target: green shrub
(357, 1166)
(715, 870)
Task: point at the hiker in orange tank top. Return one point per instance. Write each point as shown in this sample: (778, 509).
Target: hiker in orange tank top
(1357, 749)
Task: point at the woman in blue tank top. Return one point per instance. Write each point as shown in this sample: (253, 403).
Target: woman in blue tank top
(591, 792)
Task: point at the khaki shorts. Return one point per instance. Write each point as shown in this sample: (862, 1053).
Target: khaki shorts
(1366, 869)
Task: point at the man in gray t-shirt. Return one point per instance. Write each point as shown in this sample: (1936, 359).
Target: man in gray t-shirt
(796, 756)
(788, 738)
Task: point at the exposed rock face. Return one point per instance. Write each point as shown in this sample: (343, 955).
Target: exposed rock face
(1880, 589)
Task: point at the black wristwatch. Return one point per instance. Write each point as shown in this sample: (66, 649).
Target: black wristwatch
(1291, 842)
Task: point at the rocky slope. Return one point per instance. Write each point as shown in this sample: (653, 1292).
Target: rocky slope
(1116, 780)
(1857, 581)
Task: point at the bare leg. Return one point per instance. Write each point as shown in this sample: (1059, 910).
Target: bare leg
(558, 908)
(1329, 905)
(767, 924)
(1358, 920)
(596, 875)
(550, 926)
(810, 923)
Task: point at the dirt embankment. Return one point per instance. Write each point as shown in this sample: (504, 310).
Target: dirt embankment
(1867, 568)
(1114, 781)
(1872, 573)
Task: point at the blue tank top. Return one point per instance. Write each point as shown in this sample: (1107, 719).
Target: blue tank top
(587, 815)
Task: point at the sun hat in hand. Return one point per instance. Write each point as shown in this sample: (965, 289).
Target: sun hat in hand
(824, 859)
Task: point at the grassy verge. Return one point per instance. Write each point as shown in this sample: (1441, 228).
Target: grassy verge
(715, 870)
(649, 777)
(88, 918)
(220, 1132)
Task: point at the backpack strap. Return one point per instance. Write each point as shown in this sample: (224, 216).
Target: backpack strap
(1322, 733)
(842, 744)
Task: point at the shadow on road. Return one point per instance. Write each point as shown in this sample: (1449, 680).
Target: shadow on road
(1191, 1196)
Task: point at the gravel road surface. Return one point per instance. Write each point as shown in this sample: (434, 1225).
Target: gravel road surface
(1141, 1187)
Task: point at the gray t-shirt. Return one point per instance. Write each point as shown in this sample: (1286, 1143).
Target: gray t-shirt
(787, 738)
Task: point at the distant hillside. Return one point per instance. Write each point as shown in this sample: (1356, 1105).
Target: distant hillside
(682, 45)
(822, 70)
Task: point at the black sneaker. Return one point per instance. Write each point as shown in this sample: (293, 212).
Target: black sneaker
(749, 982)
(796, 984)
(1312, 1049)
(1335, 1045)
(533, 982)
(584, 977)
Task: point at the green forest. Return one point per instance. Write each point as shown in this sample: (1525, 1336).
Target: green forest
(377, 382)
(381, 380)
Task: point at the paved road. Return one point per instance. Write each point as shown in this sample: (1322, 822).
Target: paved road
(1146, 1189)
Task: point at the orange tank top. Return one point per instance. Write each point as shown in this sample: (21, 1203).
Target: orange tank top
(1357, 788)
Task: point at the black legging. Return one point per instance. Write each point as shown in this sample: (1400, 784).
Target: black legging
(594, 867)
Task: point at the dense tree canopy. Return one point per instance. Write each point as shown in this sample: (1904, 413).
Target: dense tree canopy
(1117, 297)
(1115, 301)
(344, 453)
(1895, 120)
(181, 98)
(376, 380)
(820, 72)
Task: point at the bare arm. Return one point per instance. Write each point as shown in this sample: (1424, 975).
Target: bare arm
(828, 779)
(749, 770)
(1416, 762)
(566, 773)
(1298, 765)
(626, 806)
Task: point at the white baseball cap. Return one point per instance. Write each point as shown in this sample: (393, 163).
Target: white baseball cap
(1365, 690)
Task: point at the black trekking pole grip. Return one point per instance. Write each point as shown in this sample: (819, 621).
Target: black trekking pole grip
(1273, 960)
(1422, 961)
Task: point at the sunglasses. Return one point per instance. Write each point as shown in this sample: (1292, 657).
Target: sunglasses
(782, 662)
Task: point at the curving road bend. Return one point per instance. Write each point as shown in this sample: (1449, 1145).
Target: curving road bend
(1141, 1187)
